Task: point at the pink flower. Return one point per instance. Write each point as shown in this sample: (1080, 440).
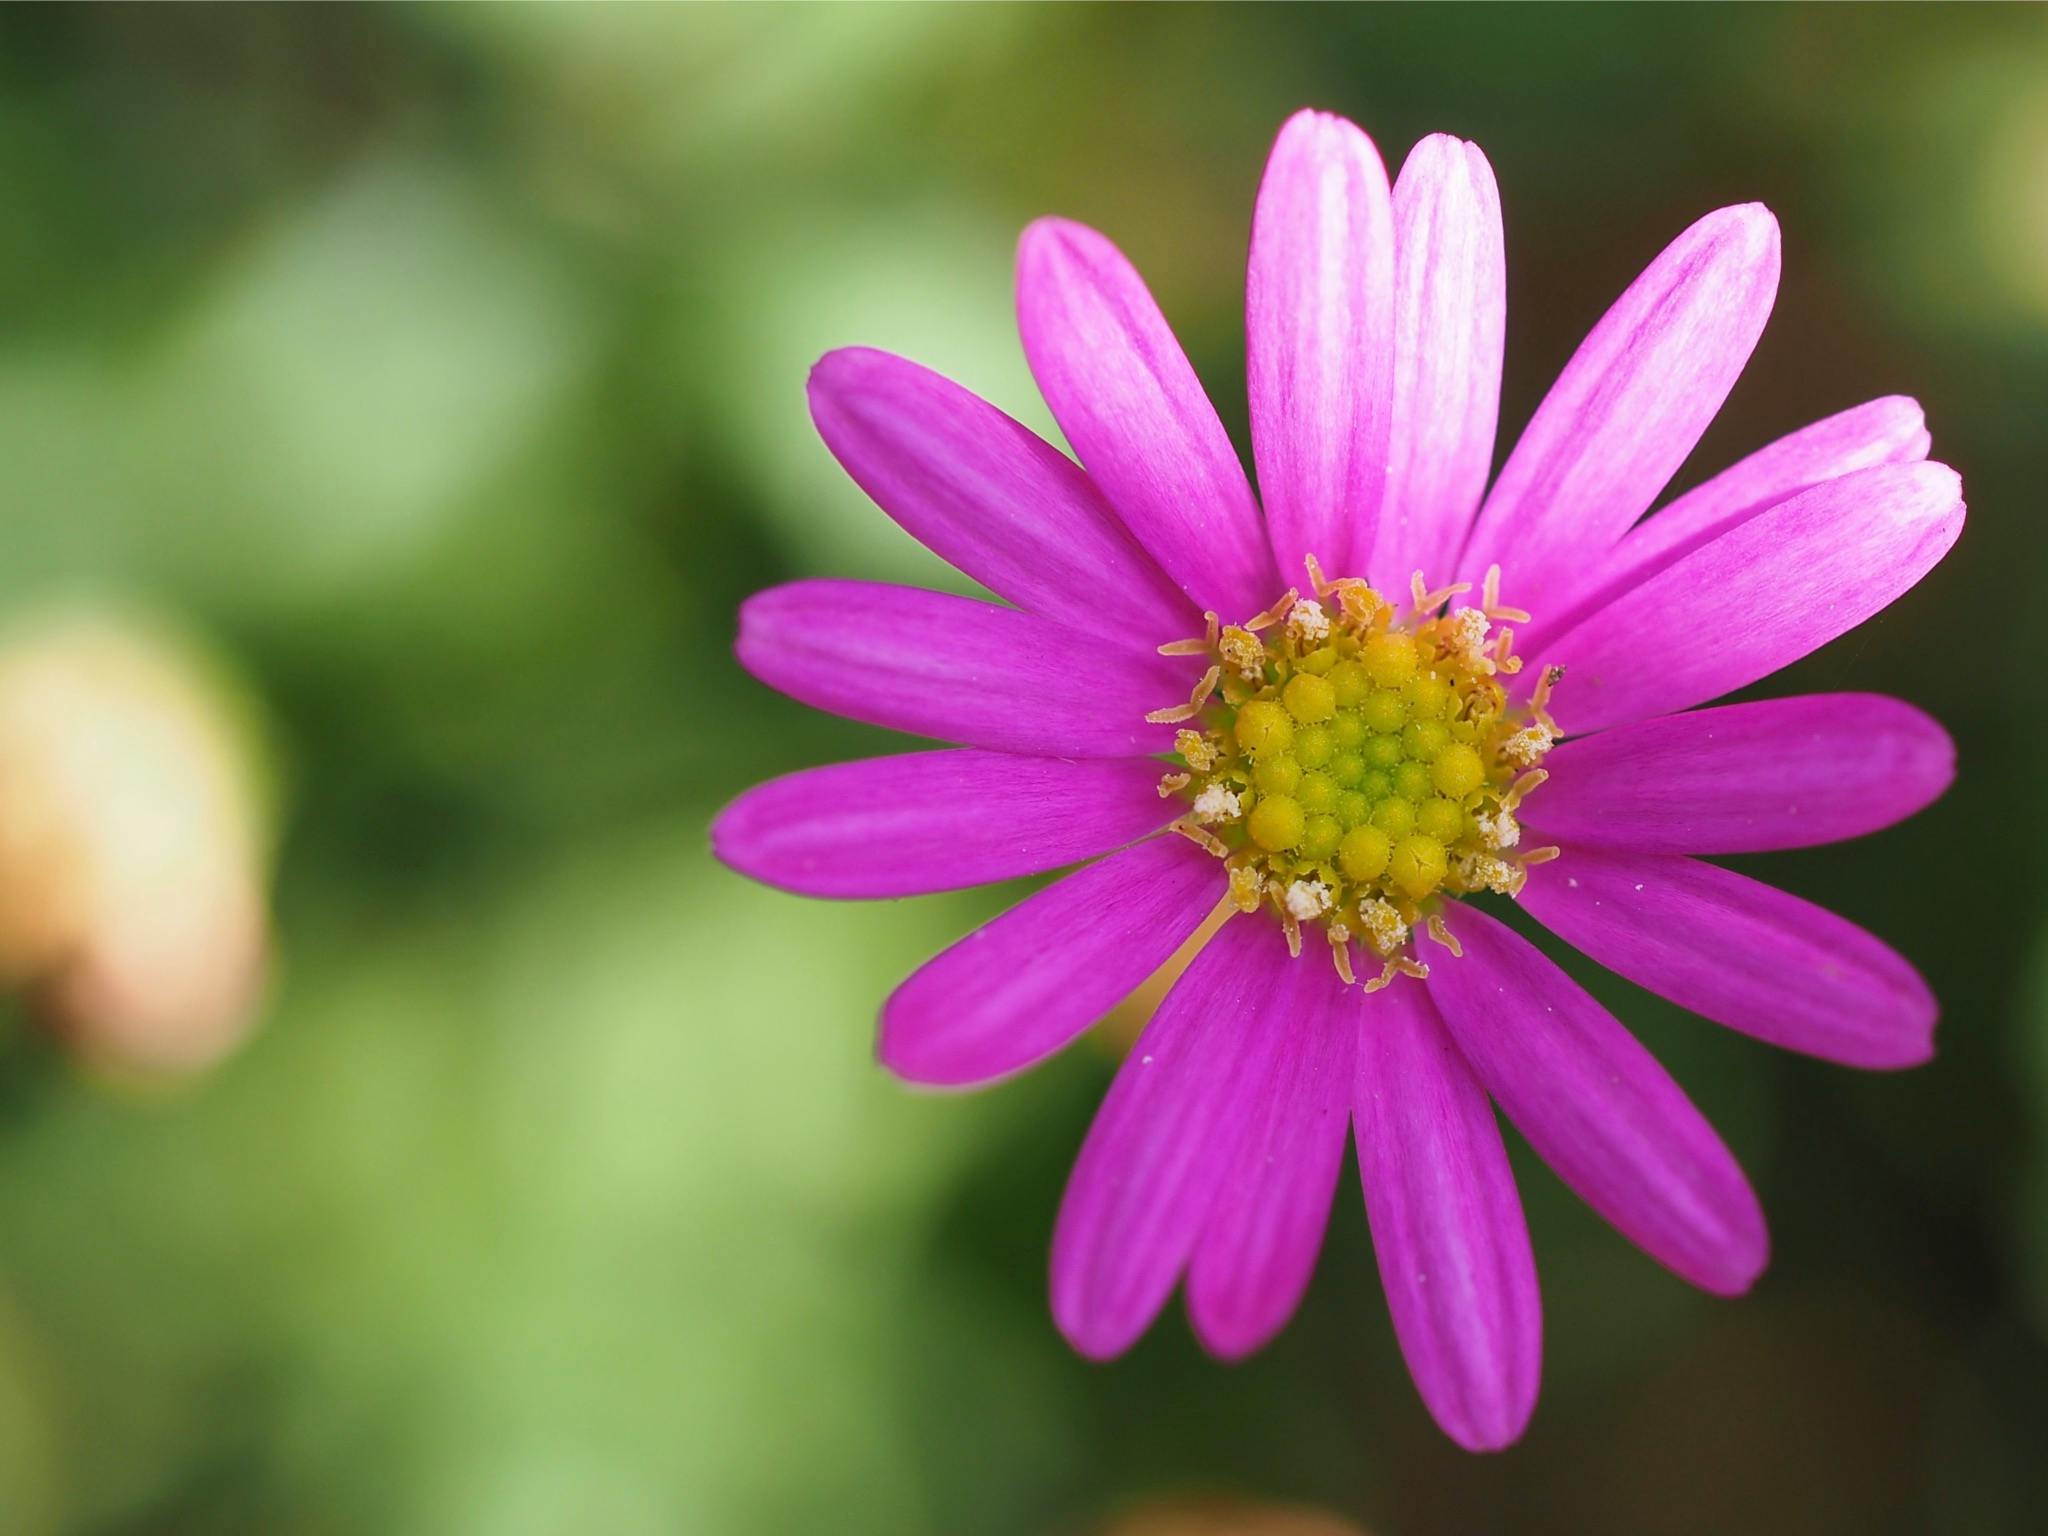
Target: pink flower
(1348, 762)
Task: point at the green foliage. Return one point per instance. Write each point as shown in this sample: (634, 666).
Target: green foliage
(446, 366)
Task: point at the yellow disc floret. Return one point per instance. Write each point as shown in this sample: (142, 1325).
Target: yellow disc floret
(1277, 823)
(1358, 770)
(1363, 853)
(1263, 729)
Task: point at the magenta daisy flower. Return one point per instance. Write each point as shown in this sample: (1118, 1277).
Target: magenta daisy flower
(1325, 721)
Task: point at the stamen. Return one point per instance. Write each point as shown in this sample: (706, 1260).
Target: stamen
(1504, 657)
(1199, 646)
(1489, 600)
(1360, 603)
(1316, 580)
(1292, 927)
(1201, 837)
(1174, 783)
(1441, 930)
(1517, 791)
(1243, 653)
(1426, 601)
(1340, 952)
(1399, 966)
(1195, 750)
(1193, 707)
(1273, 614)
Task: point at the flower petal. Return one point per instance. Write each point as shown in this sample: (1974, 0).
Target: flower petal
(935, 821)
(1746, 778)
(990, 497)
(1017, 989)
(1447, 1224)
(1167, 1135)
(1628, 407)
(1740, 953)
(1255, 1254)
(1319, 314)
(958, 669)
(1888, 431)
(1759, 597)
(1596, 1106)
(1122, 391)
(1450, 324)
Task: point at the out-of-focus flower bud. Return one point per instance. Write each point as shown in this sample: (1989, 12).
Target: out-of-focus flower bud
(1229, 1517)
(132, 843)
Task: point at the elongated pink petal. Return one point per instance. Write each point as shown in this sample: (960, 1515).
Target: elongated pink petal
(1122, 391)
(935, 821)
(1450, 325)
(1258, 1248)
(1447, 1224)
(1319, 315)
(958, 669)
(1628, 408)
(1887, 431)
(1746, 778)
(1740, 953)
(1167, 1135)
(1759, 597)
(1596, 1106)
(1017, 989)
(992, 498)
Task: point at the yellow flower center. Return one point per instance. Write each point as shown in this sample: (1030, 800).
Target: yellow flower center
(1353, 767)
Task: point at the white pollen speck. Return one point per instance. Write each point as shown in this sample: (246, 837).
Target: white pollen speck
(1145, 1061)
(1306, 899)
(1482, 871)
(1526, 747)
(1307, 621)
(1572, 881)
(1500, 829)
(1385, 928)
(1216, 803)
(1466, 632)
(1639, 887)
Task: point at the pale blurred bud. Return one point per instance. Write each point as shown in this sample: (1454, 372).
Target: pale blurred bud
(131, 844)
(1229, 1517)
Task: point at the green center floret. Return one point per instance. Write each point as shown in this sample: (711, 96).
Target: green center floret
(1354, 771)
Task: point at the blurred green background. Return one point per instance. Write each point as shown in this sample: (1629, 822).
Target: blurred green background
(444, 369)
